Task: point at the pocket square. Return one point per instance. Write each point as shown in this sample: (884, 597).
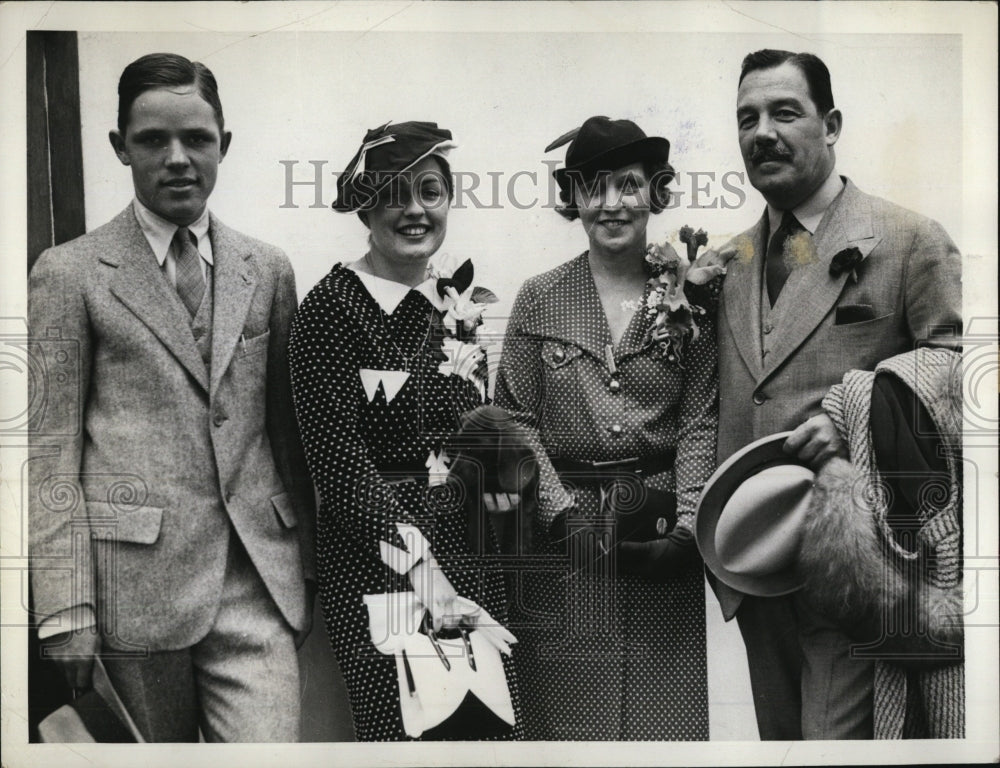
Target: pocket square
(854, 313)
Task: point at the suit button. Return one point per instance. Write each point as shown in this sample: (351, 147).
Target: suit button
(219, 419)
(759, 398)
(198, 333)
(768, 327)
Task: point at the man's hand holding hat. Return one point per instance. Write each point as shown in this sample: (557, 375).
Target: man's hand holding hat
(816, 441)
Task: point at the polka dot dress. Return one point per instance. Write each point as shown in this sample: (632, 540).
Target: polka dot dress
(604, 656)
(356, 447)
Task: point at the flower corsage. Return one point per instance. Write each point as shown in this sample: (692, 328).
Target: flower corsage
(671, 315)
(457, 324)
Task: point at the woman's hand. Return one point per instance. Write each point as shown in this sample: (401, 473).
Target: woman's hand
(436, 593)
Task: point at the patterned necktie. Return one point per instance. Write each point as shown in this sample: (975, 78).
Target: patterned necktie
(780, 261)
(190, 279)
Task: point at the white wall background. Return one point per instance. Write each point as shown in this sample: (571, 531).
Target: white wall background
(311, 96)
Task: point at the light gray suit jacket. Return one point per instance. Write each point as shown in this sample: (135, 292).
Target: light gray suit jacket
(910, 278)
(142, 459)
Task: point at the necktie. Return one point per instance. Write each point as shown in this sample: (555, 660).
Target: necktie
(190, 279)
(779, 261)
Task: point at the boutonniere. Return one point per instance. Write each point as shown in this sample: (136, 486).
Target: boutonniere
(671, 316)
(847, 260)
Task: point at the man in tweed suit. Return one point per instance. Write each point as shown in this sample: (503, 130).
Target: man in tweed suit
(171, 516)
(829, 279)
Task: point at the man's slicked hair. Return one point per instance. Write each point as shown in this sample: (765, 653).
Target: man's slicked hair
(811, 66)
(165, 70)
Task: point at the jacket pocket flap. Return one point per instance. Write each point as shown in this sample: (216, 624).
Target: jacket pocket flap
(557, 353)
(286, 511)
(139, 525)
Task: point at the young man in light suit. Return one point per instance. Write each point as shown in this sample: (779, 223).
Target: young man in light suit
(830, 279)
(171, 514)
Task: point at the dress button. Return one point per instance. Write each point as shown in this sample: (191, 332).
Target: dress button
(759, 398)
(616, 429)
(768, 327)
(198, 333)
(614, 385)
(559, 354)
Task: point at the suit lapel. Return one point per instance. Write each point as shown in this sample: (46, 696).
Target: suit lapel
(847, 224)
(140, 285)
(742, 294)
(234, 284)
(572, 311)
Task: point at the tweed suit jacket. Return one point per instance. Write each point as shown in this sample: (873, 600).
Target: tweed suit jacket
(143, 457)
(909, 285)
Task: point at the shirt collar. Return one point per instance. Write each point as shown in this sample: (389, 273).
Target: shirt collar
(810, 212)
(389, 294)
(159, 232)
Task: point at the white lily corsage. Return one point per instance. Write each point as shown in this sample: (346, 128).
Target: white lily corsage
(458, 341)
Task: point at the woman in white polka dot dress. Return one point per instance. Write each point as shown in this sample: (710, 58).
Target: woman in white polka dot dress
(603, 361)
(384, 362)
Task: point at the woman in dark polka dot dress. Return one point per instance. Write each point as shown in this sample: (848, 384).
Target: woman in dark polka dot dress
(622, 392)
(384, 362)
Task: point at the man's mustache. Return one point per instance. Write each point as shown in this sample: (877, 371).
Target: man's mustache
(763, 154)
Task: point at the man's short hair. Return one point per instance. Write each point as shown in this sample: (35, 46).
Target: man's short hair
(811, 66)
(165, 70)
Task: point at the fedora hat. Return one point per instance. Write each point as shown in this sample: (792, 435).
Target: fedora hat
(603, 144)
(386, 152)
(751, 516)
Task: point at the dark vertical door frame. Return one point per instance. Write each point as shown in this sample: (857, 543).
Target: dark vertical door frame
(55, 152)
(55, 215)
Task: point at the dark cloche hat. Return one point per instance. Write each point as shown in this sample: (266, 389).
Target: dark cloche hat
(603, 144)
(386, 152)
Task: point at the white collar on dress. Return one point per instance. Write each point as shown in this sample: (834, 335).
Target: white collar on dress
(389, 294)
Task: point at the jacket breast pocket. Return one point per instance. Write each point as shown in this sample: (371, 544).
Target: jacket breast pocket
(557, 355)
(252, 346)
(137, 525)
(285, 510)
(862, 329)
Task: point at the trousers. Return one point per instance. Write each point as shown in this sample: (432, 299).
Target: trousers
(240, 683)
(805, 683)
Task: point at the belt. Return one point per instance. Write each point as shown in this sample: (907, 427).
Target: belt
(598, 472)
(396, 474)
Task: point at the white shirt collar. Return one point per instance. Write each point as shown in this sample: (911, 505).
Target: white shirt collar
(159, 232)
(389, 294)
(810, 212)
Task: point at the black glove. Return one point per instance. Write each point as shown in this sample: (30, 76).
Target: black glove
(662, 559)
